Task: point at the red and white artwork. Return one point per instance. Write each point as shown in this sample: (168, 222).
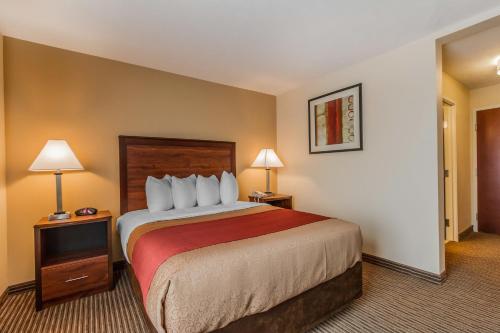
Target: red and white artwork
(335, 121)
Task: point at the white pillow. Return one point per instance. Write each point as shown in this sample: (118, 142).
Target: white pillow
(207, 190)
(184, 192)
(159, 193)
(228, 188)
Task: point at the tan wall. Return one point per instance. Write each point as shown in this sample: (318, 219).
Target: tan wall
(89, 101)
(485, 97)
(458, 93)
(3, 207)
(480, 99)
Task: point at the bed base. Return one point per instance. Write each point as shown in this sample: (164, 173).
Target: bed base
(296, 315)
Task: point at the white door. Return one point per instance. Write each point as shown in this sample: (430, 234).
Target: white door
(448, 171)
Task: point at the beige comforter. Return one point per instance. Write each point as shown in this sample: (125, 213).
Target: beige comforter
(208, 288)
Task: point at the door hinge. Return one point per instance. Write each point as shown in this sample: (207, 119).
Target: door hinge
(446, 173)
(447, 222)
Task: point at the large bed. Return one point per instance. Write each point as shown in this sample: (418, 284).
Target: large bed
(242, 267)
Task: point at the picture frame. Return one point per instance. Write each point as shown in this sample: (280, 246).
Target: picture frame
(335, 121)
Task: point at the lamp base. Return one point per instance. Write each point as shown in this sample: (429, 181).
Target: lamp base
(269, 193)
(59, 216)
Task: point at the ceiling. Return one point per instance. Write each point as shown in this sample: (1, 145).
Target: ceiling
(265, 45)
(472, 60)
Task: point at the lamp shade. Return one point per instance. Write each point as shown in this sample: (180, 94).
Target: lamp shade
(56, 155)
(267, 158)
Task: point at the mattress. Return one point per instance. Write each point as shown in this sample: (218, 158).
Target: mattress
(202, 268)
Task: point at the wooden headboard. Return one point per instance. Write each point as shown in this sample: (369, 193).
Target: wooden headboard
(141, 157)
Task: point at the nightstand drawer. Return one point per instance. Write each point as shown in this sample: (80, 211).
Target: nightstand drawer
(74, 277)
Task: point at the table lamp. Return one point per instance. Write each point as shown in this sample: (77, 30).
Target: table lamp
(57, 156)
(268, 159)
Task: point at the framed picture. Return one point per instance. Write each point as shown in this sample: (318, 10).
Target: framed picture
(335, 121)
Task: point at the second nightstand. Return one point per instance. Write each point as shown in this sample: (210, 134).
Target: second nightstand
(73, 257)
(278, 200)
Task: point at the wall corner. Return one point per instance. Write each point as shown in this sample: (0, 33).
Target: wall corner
(3, 197)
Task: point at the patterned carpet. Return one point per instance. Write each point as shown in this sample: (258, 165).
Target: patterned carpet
(469, 300)
(392, 302)
(115, 311)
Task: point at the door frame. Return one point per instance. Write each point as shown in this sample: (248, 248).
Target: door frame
(454, 158)
(473, 177)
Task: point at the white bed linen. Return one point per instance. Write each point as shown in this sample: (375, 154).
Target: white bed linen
(131, 220)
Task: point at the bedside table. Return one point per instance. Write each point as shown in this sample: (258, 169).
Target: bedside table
(73, 258)
(278, 200)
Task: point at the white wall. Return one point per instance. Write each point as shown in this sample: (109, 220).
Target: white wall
(391, 187)
(480, 99)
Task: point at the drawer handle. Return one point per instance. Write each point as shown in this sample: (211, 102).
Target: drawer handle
(76, 279)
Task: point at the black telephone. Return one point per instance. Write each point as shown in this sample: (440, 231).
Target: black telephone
(86, 211)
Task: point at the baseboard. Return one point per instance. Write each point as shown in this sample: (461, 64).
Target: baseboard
(20, 287)
(395, 266)
(3, 297)
(17, 288)
(466, 233)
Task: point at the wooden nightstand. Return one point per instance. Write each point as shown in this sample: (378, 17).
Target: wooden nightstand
(73, 258)
(278, 200)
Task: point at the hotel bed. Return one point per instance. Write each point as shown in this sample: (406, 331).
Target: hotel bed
(241, 267)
